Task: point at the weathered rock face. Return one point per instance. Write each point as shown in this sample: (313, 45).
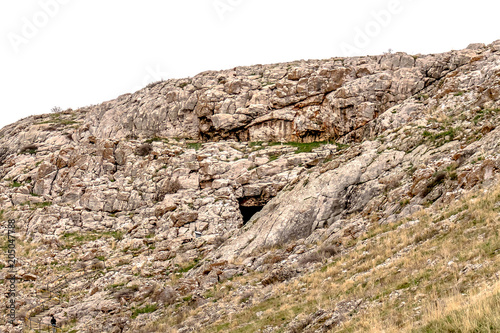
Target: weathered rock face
(302, 101)
(156, 180)
(358, 181)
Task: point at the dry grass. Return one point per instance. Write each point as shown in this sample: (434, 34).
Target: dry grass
(434, 272)
(400, 271)
(474, 314)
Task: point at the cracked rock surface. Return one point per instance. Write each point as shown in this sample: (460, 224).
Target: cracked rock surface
(151, 189)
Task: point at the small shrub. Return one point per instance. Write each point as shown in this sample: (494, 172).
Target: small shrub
(188, 298)
(306, 181)
(218, 241)
(15, 184)
(425, 235)
(404, 203)
(29, 149)
(422, 97)
(189, 266)
(279, 275)
(311, 257)
(144, 149)
(273, 156)
(4, 151)
(167, 296)
(450, 132)
(256, 143)
(172, 187)
(323, 252)
(329, 251)
(272, 258)
(126, 293)
(245, 297)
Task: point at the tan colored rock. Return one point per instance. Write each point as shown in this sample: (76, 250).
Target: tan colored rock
(406, 133)
(183, 217)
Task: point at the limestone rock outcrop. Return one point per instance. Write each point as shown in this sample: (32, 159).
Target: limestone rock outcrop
(185, 184)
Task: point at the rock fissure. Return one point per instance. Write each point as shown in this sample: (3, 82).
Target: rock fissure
(164, 184)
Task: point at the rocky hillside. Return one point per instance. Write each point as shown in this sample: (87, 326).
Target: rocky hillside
(346, 194)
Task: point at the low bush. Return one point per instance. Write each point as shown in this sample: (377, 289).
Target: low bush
(29, 149)
(144, 149)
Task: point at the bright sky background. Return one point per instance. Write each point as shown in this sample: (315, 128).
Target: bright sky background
(73, 53)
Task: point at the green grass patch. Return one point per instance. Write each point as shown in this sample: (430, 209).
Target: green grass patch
(156, 139)
(255, 144)
(194, 145)
(146, 309)
(42, 204)
(189, 266)
(273, 156)
(426, 134)
(443, 137)
(116, 285)
(76, 238)
(302, 147)
(222, 327)
(341, 146)
(56, 119)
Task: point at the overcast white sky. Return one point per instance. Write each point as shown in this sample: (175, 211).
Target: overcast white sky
(73, 53)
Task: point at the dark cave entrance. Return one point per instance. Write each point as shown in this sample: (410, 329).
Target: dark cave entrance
(247, 211)
(249, 206)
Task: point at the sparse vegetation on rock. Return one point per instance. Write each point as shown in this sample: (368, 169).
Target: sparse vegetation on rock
(371, 182)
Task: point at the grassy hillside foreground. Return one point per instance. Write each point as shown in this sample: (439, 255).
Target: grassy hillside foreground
(437, 271)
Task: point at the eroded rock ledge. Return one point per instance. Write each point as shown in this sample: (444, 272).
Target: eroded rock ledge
(176, 173)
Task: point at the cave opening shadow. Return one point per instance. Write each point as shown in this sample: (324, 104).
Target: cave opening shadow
(248, 211)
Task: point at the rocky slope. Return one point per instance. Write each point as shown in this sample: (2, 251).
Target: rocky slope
(189, 194)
